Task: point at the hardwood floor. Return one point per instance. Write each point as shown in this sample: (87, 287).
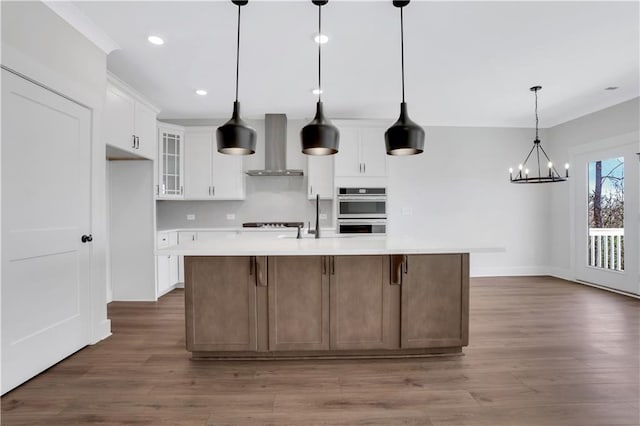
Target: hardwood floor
(542, 352)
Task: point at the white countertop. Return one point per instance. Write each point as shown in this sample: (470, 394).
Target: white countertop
(326, 246)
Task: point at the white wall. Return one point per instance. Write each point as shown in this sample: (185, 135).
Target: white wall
(601, 126)
(459, 195)
(38, 44)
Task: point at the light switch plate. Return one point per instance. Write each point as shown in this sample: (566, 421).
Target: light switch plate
(231, 216)
(191, 217)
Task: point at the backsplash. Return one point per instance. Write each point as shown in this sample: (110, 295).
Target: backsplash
(275, 198)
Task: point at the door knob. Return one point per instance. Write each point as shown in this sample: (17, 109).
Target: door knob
(87, 238)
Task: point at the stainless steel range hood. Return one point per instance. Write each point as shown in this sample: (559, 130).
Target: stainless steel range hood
(275, 130)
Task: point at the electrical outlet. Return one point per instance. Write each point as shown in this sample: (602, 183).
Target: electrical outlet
(323, 216)
(231, 216)
(407, 211)
(191, 217)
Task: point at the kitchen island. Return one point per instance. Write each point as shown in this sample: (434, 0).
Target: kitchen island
(330, 297)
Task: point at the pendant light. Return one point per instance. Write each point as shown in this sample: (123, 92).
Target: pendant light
(537, 175)
(320, 137)
(235, 137)
(404, 137)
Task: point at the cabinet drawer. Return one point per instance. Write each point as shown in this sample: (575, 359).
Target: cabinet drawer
(163, 240)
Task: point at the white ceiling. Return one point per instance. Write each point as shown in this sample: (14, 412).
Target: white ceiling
(467, 63)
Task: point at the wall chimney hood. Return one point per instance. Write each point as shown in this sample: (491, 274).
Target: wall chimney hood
(275, 151)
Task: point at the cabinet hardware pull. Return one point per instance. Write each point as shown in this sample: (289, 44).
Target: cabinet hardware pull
(133, 143)
(360, 167)
(251, 260)
(364, 168)
(259, 276)
(324, 265)
(137, 142)
(333, 265)
(310, 189)
(406, 264)
(213, 191)
(209, 191)
(396, 269)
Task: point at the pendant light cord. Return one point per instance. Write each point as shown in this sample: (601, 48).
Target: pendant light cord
(319, 53)
(402, 49)
(238, 55)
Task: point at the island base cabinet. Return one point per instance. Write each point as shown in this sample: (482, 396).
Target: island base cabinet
(435, 300)
(220, 302)
(361, 310)
(298, 299)
(326, 306)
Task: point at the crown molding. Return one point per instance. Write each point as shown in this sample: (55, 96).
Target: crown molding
(85, 26)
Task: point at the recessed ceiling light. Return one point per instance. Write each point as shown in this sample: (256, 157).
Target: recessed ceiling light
(155, 40)
(316, 91)
(201, 92)
(611, 88)
(321, 38)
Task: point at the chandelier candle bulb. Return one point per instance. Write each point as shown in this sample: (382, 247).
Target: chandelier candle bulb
(511, 173)
(566, 170)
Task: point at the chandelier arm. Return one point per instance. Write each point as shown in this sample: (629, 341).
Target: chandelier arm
(549, 160)
(527, 159)
(538, 158)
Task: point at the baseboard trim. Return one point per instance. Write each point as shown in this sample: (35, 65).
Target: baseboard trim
(101, 332)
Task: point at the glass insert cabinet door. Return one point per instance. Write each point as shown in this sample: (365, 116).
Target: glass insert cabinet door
(606, 228)
(170, 163)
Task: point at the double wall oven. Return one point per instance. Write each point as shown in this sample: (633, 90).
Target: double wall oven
(362, 210)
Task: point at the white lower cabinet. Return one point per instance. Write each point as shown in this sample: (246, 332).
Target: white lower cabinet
(167, 277)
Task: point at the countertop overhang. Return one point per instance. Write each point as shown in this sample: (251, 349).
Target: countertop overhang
(326, 246)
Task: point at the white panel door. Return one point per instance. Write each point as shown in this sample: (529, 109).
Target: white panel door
(45, 210)
(197, 165)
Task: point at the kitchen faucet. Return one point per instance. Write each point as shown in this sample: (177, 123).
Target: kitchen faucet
(316, 232)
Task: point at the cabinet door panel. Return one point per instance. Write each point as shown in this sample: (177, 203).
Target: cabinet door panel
(372, 151)
(298, 303)
(197, 165)
(435, 301)
(347, 161)
(320, 177)
(220, 301)
(361, 303)
(170, 163)
(227, 176)
(118, 119)
(145, 130)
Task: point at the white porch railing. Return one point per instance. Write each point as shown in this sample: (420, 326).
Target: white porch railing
(606, 248)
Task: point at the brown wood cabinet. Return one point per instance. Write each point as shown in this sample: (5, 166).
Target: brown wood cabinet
(361, 311)
(435, 300)
(359, 305)
(220, 302)
(298, 298)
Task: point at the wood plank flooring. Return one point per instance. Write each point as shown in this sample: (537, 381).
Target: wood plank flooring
(542, 352)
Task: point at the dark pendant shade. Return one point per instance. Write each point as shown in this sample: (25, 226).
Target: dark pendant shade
(235, 137)
(404, 137)
(320, 137)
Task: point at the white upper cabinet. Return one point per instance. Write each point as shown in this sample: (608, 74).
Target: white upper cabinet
(129, 122)
(208, 174)
(170, 162)
(362, 151)
(320, 176)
